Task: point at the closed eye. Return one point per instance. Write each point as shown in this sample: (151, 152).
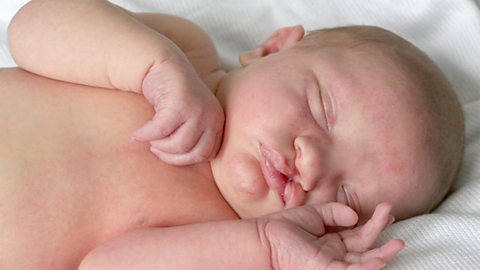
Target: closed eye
(316, 105)
(328, 101)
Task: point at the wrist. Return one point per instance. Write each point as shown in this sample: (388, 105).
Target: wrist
(261, 225)
(170, 71)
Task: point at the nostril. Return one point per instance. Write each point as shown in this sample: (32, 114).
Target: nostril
(306, 184)
(298, 179)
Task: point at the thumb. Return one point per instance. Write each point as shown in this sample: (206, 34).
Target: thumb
(314, 218)
(337, 214)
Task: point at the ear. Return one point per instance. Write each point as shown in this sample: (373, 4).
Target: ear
(283, 38)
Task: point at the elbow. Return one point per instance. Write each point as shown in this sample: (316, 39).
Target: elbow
(14, 33)
(18, 29)
(29, 28)
(105, 257)
(94, 261)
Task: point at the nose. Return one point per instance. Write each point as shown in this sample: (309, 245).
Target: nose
(312, 157)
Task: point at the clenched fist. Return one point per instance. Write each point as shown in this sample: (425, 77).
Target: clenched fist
(188, 123)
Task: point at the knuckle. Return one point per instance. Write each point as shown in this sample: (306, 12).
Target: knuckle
(184, 147)
(163, 132)
(328, 214)
(159, 128)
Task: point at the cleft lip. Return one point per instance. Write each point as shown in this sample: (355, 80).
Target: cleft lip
(275, 171)
(280, 163)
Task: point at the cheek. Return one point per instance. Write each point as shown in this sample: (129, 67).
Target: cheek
(244, 176)
(268, 122)
(243, 187)
(263, 105)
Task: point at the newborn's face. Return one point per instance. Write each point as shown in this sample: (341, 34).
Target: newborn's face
(307, 127)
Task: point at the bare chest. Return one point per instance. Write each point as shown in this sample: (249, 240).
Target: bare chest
(70, 178)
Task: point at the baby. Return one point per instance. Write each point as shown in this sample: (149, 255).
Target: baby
(351, 116)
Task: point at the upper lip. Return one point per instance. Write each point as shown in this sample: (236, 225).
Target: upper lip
(275, 170)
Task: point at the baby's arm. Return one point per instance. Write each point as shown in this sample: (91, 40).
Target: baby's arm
(96, 43)
(291, 239)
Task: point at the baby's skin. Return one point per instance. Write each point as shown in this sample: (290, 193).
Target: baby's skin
(67, 187)
(82, 178)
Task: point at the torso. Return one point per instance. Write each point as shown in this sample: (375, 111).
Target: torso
(70, 178)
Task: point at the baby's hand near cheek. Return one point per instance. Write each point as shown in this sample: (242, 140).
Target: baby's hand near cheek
(188, 123)
(297, 238)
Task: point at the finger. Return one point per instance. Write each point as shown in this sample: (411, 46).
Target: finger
(337, 214)
(314, 218)
(373, 264)
(336, 265)
(385, 252)
(199, 153)
(159, 127)
(363, 237)
(182, 140)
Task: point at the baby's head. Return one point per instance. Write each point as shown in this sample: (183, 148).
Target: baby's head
(355, 114)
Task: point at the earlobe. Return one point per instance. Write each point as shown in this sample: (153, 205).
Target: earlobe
(249, 57)
(281, 39)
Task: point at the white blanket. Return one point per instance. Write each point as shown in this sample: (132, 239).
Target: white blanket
(448, 31)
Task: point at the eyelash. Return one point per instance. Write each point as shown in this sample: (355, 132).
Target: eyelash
(327, 126)
(318, 99)
(324, 111)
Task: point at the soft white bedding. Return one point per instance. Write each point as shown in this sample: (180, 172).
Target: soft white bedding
(448, 31)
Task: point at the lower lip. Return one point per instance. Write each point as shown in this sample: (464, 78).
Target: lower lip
(275, 180)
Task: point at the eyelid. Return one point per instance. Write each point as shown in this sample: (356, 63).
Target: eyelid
(315, 100)
(329, 105)
(324, 110)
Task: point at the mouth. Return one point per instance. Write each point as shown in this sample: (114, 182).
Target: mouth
(273, 172)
